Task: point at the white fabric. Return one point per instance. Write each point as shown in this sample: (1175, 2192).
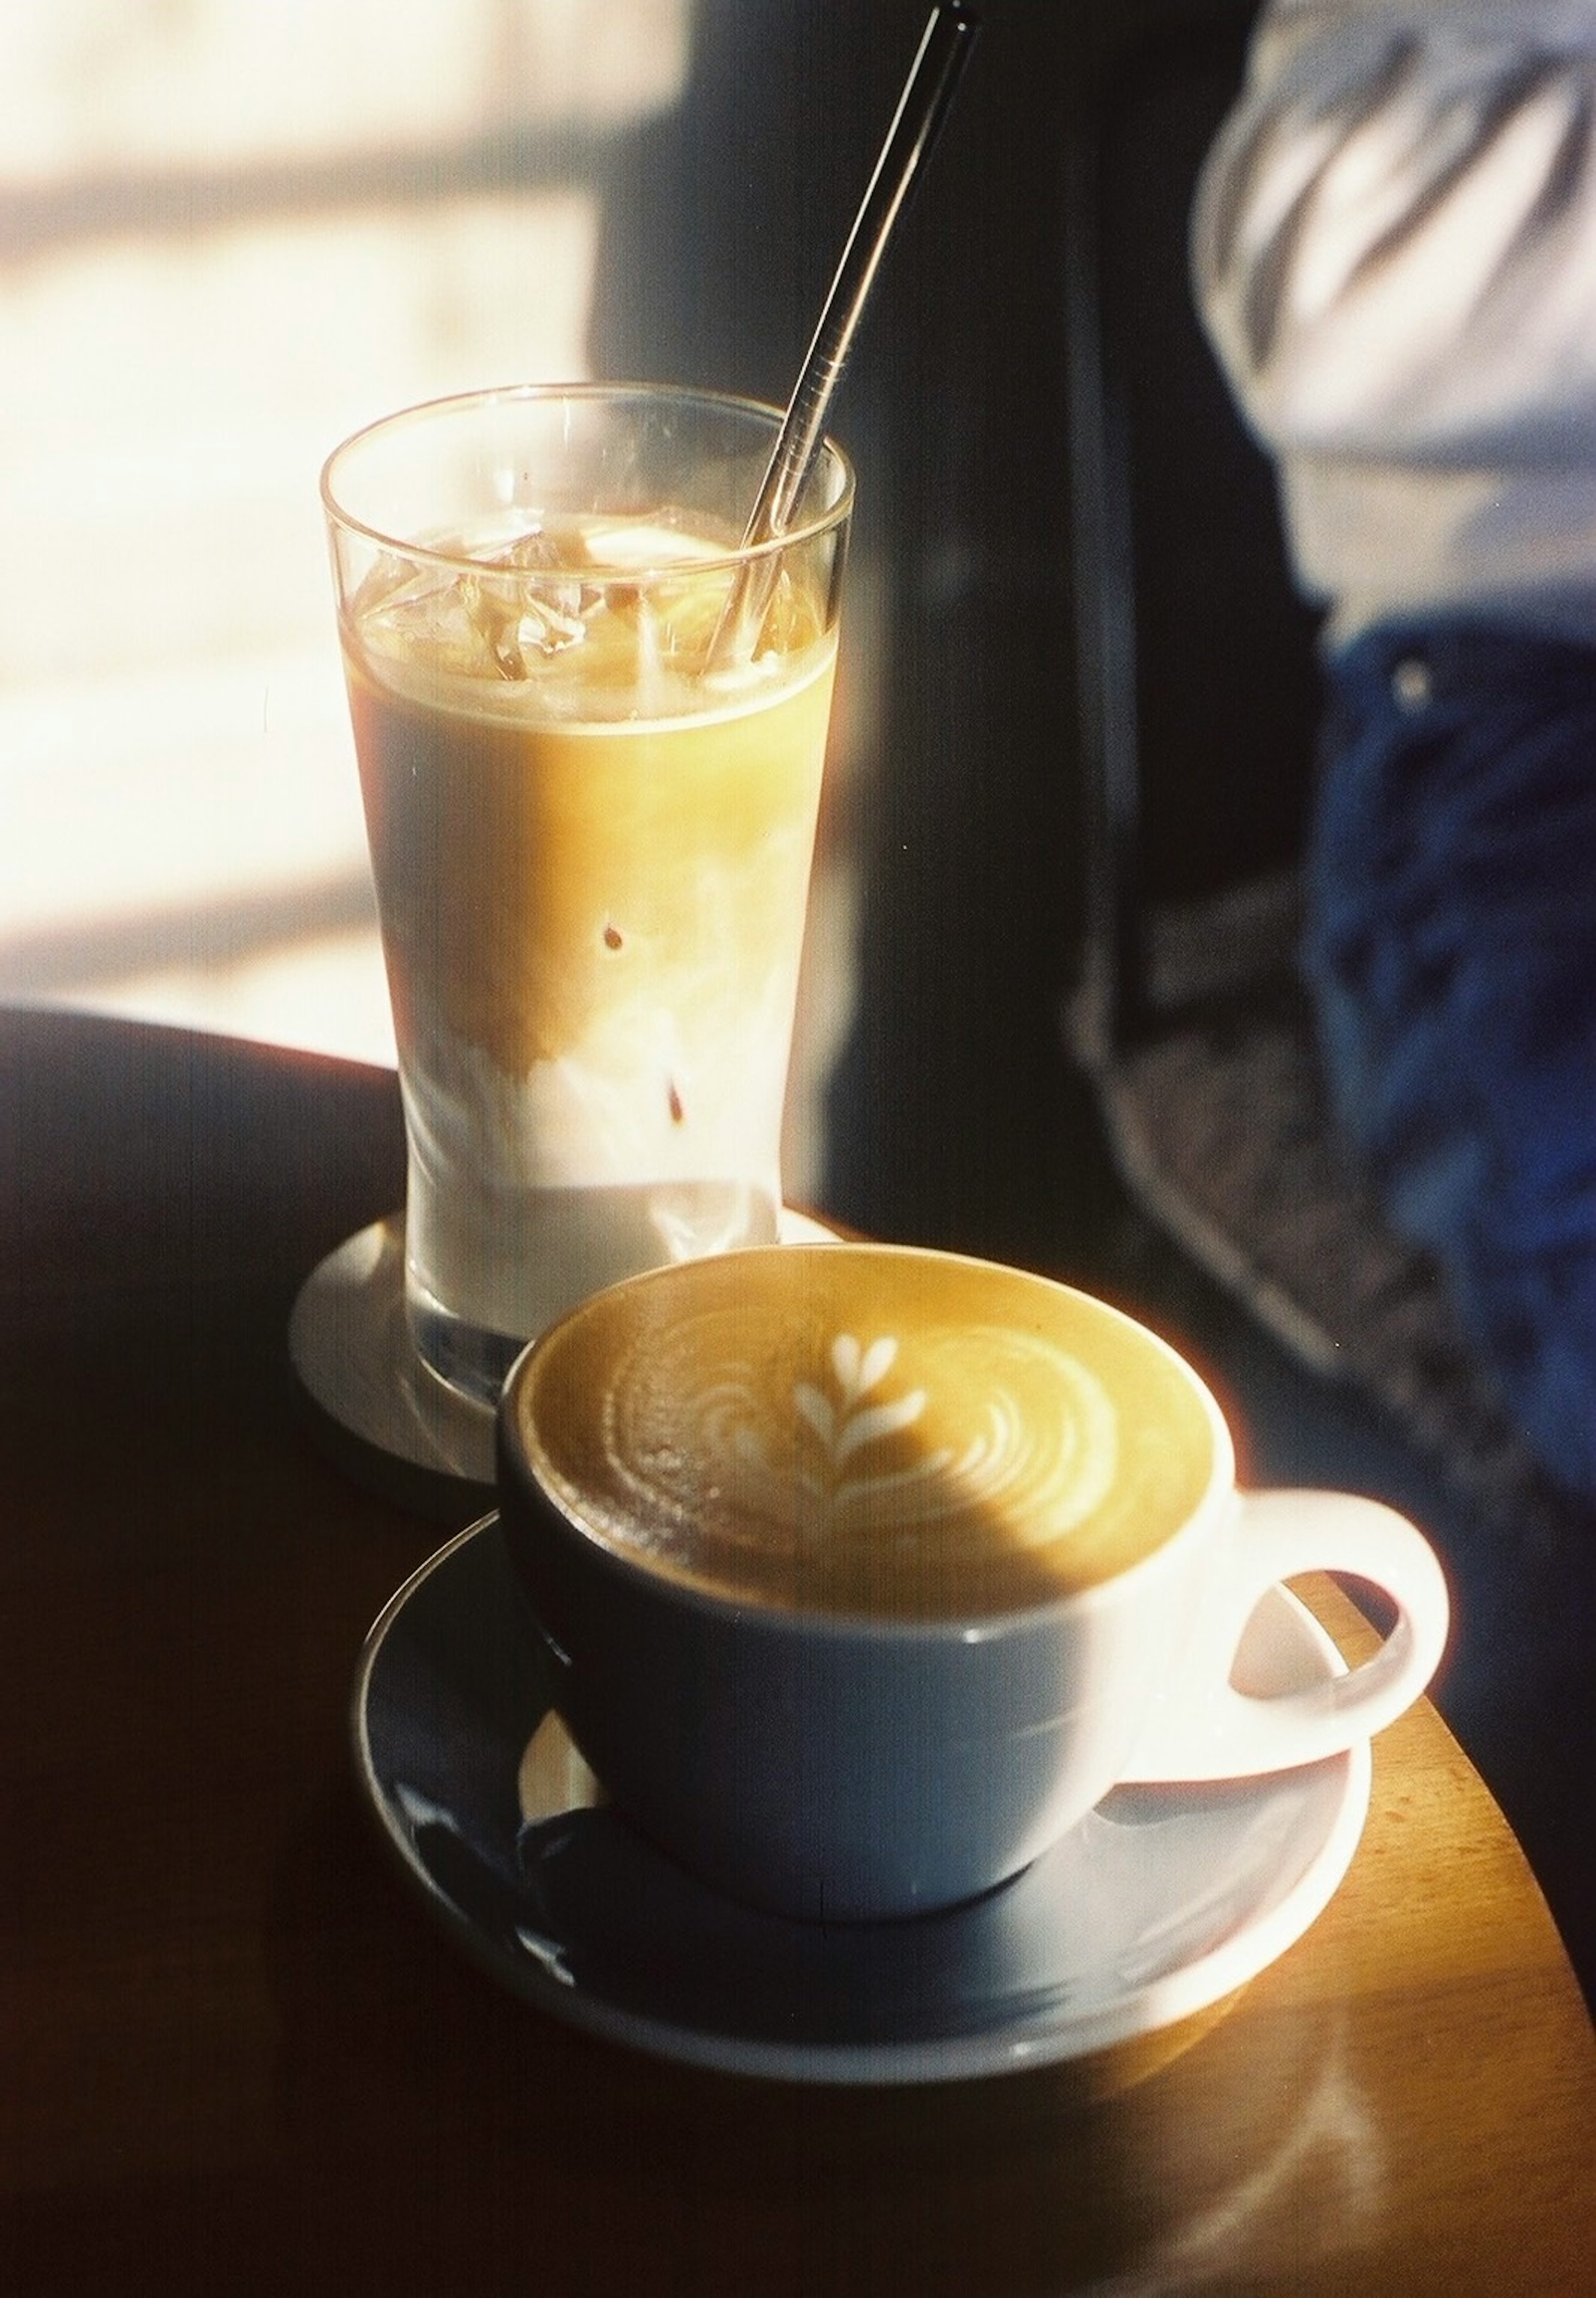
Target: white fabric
(1395, 250)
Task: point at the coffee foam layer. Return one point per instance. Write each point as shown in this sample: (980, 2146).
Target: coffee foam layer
(864, 1433)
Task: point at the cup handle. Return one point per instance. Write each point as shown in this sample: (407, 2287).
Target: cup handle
(1202, 1727)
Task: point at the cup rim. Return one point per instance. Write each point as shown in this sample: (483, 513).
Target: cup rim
(984, 1627)
(802, 532)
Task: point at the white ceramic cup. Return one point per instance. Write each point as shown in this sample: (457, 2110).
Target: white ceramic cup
(879, 1744)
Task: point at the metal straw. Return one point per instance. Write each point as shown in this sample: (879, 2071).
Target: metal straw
(944, 50)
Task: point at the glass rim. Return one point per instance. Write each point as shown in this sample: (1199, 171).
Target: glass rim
(800, 533)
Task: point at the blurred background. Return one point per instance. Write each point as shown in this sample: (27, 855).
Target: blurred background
(231, 231)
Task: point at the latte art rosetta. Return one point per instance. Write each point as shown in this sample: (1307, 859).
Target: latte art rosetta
(934, 1460)
(835, 1461)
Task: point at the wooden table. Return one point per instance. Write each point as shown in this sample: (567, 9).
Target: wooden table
(237, 2057)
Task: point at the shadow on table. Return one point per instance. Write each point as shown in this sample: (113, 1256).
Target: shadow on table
(467, 2138)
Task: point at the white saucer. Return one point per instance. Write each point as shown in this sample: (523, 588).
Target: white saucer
(1163, 1902)
(351, 1347)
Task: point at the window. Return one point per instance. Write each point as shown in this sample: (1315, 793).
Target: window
(231, 231)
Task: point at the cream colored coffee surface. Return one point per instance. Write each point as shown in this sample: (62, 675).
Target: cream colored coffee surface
(876, 1434)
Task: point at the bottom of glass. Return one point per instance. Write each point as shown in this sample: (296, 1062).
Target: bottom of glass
(536, 1255)
(473, 1362)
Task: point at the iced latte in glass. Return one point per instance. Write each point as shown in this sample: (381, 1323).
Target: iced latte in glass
(591, 800)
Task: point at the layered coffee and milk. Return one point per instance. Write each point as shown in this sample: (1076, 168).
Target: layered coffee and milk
(591, 850)
(867, 1433)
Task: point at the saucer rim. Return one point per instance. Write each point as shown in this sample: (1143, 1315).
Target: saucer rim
(1010, 2047)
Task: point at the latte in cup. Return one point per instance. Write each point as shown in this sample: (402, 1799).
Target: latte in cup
(948, 1441)
(862, 1571)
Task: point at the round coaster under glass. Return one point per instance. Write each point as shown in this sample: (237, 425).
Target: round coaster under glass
(389, 1421)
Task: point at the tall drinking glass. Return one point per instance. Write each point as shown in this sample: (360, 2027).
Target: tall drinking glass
(590, 831)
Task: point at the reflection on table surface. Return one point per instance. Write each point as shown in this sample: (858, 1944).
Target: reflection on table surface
(239, 2045)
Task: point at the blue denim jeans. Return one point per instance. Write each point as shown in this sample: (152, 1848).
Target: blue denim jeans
(1451, 952)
